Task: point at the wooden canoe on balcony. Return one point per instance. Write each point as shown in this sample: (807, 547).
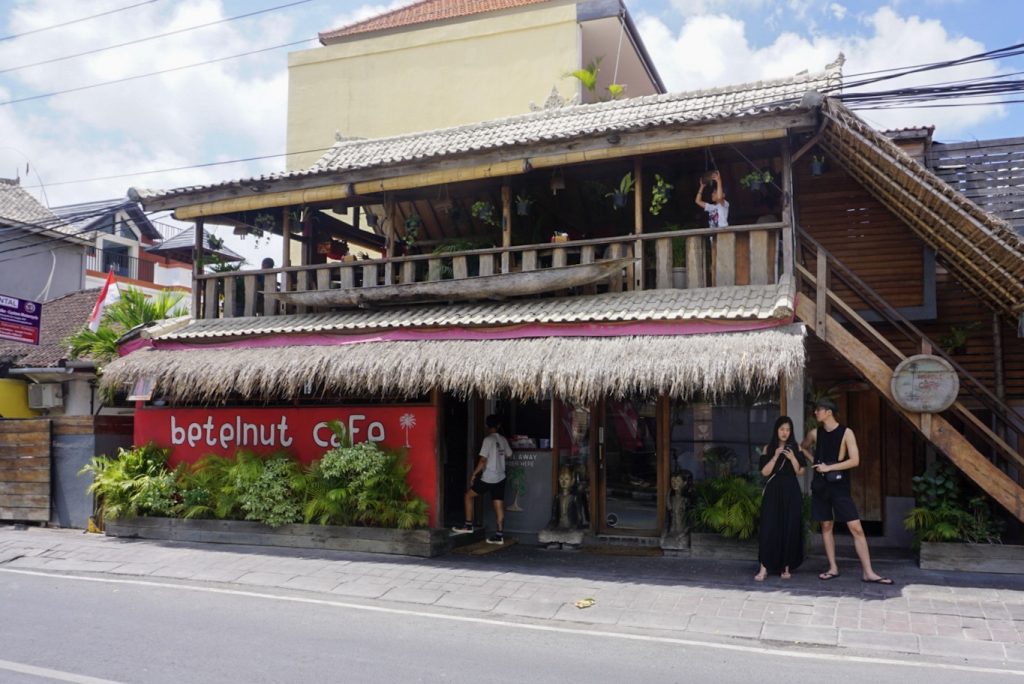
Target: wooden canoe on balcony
(501, 286)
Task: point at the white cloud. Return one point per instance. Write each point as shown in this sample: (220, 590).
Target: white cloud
(712, 50)
(151, 123)
(838, 11)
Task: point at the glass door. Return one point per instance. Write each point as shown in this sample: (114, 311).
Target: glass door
(628, 465)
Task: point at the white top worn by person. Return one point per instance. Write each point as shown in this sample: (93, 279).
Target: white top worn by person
(494, 448)
(718, 208)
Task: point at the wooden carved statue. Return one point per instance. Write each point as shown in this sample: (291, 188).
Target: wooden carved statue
(680, 493)
(565, 498)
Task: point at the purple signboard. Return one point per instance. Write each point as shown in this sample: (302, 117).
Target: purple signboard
(19, 320)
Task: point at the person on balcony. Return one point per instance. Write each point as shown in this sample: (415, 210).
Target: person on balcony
(718, 208)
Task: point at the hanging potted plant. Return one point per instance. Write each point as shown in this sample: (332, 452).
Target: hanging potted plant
(755, 180)
(621, 193)
(817, 165)
(413, 223)
(659, 194)
(483, 211)
(523, 203)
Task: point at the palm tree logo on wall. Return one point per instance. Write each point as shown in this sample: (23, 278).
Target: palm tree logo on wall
(517, 483)
(407, 421)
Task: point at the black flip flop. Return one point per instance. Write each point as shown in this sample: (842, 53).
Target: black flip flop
(826, 576)
(881, 580)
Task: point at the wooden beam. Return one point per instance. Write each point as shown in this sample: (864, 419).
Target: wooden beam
(810, 143)
(286, 238)
(788, 215)
(638, 221)
(506, 223)
(821, 296)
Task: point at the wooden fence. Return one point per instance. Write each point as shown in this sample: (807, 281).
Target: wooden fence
(25, 470)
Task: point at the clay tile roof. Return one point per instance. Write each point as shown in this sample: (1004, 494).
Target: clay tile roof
(19, 208)
(422, 12)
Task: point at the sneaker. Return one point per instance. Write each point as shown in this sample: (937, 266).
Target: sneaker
(463, 529)
(498, 538)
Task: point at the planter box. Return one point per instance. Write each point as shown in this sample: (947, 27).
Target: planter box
(708, 545)
(425, 543)
(996, 558)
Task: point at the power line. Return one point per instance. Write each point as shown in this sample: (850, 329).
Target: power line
(155, 73)
(75, 21)
(161, 35)
(182, 168)
(989, 55)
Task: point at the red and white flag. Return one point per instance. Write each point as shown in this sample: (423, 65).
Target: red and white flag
(108, 295)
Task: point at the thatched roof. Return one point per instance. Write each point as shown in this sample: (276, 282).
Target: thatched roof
(983, 251)
(576, 368)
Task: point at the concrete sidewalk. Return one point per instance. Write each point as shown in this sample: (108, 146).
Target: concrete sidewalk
(951, 615)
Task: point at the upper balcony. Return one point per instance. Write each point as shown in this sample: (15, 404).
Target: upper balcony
(755, 254)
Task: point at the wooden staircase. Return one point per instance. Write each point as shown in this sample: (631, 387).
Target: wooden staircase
(818, 306)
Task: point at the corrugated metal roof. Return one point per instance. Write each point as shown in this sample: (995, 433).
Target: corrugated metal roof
(422, 12)
(721, 303)
(549, 126)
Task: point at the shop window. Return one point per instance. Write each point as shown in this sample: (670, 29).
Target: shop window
(712, 438)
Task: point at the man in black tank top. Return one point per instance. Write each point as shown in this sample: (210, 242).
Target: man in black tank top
(835, 455)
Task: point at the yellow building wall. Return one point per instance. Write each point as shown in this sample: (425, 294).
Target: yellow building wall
(14, 399)
(427, 78)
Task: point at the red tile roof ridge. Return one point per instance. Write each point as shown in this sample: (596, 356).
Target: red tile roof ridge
(421, 12)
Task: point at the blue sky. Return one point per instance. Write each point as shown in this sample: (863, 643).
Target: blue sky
(236, 108)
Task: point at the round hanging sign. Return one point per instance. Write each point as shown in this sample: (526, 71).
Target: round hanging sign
(925, 384)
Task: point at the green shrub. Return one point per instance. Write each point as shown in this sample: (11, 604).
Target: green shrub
(945, 513)
(362, 484)
(729, 506)
(135, 482)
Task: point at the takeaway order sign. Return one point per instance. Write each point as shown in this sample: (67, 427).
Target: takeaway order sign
(19, 319)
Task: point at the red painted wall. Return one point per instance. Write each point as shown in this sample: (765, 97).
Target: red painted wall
(192, 433)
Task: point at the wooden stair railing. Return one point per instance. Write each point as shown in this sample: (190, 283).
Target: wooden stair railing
(815, 305)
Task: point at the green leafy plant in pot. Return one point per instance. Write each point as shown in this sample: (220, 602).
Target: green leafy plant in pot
(755, 180)
(659, 194)
(621, 194)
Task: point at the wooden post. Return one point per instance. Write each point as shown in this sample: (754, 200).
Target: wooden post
(389, 240)
(788, 214)
(506, 225)
(286, 240)
(821, 295)
(637, 269)
(197, 268)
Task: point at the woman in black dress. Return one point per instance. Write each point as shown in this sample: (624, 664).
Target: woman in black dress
(781, 548)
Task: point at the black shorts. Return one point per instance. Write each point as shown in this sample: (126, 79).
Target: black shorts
(833, 503)
(496, 489)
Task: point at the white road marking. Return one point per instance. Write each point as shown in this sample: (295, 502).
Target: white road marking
(52, 674)
(830, 656)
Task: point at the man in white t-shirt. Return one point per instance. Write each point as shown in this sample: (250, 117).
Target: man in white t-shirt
(718, 208)
(488, 477)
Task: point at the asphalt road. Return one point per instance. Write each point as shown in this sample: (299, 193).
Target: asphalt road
(100, 630)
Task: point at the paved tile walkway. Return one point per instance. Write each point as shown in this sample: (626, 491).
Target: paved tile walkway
(968, 616)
